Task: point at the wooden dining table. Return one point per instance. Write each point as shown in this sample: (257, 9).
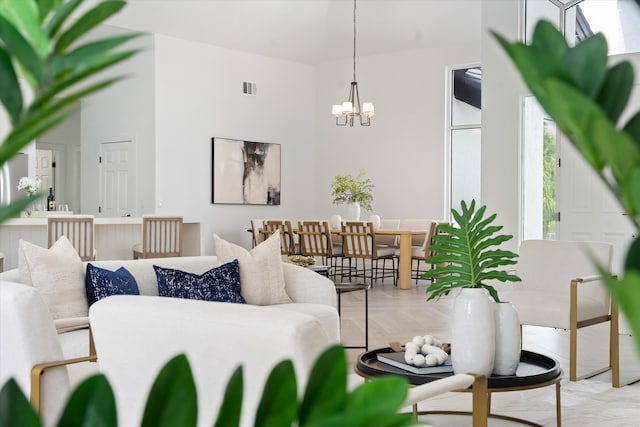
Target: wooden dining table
(404, 264)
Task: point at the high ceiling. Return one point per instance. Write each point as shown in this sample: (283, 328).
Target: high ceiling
(308, 31)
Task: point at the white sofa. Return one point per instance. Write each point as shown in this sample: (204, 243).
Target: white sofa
(312, 294)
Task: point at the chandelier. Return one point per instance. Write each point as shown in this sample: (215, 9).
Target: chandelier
(352, 108)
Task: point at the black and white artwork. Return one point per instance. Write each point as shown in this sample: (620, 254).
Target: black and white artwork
(245, 172)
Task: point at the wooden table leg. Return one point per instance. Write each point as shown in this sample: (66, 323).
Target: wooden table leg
(404, 268)
(480, 412)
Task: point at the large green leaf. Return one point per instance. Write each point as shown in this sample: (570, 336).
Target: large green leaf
(91, 404)
(231, 407)
(464, 256)
(25, 16)
(10, 93)
(632, 128)
(173, 397)
(377, 402)
(279, 403)
(21, 49)
(87, 22)
(13, 209)
(86, 56)
(616, 89)
(327, 386)
(587, 64)
(60, 15)
(62, 84)
(15, 409)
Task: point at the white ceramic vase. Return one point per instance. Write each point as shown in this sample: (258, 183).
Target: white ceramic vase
(473, 332)
(507, 323)
(353, 212)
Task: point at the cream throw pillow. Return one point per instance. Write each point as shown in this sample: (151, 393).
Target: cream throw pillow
(261, 275)
(58, 275)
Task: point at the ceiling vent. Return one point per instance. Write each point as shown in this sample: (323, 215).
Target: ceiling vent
(249, 88)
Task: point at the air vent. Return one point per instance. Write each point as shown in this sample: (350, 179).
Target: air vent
(249, 88)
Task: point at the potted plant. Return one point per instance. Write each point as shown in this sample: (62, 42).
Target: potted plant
(466, 258)
(357, 191)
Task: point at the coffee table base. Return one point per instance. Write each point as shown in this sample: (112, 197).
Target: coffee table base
(482, 398)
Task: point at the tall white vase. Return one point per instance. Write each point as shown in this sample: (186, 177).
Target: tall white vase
(353, 212)
(472, 332)
(507, 332)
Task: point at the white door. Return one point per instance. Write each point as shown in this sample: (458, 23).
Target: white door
(117, 179)
(587, 209)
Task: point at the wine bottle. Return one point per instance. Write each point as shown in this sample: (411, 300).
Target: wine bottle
(51, 200)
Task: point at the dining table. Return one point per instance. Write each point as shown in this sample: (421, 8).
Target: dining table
(404, 263)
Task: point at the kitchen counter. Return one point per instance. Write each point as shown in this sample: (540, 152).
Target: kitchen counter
(114, 237)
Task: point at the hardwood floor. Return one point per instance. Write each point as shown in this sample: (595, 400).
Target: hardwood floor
(398, 315)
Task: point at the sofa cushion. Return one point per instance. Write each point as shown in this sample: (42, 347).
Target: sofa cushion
(101, 283)
(220, 284)
(57, 274)
(261, 275)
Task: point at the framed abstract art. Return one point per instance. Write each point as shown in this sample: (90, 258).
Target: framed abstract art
(245, 172)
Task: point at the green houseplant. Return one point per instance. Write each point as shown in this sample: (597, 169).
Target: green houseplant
(172, 401)
(586, 98)
(467, 258)
(353, 189)
(464, 258)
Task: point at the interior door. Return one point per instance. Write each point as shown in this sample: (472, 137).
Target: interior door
(117, 179)
(587, 209)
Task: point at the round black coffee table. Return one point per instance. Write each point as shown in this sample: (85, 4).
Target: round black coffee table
(535, 371)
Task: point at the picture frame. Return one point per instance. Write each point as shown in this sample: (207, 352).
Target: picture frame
(245, 172)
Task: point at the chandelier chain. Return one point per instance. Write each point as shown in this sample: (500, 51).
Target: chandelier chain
(354, 40)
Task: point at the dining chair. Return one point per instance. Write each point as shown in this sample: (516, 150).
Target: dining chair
(288, 244)
(315, 241)
(161, 237)
(360, 244)
(562, 288)
(256, 236)
(79, 229)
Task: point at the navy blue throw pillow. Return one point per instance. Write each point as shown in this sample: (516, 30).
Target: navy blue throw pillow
(220, 284)
(100, 283)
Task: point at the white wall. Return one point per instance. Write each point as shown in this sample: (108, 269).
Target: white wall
(502, 90)
(182, 93)
(124, 111)
(199, 96)
(403, 150)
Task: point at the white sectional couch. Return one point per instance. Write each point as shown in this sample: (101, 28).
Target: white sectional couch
(313, 296)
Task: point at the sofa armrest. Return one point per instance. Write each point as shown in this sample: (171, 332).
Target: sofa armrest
(307, 286)
(38, 370)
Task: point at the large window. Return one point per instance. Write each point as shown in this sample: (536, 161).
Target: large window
(464, 135)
